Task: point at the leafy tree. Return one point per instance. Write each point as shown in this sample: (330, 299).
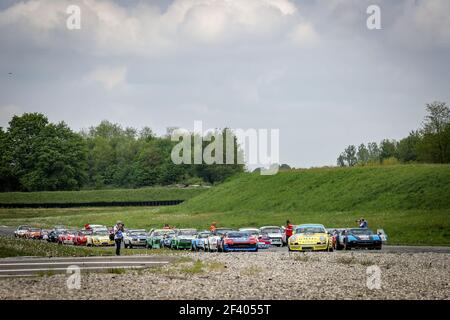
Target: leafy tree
(350, 155)
(435, 143)
(388, 149)
(41, 155)
(374, 152)
(407, 147)
(341, 160)
(362, 154)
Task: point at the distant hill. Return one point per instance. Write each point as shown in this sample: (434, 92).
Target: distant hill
(402, 187)
(410, 202)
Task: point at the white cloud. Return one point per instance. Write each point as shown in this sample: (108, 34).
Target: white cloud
(433, 18)
(304, 35)
(108, 28)
(108, 77)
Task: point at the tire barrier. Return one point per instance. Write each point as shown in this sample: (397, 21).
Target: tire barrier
(93, 204)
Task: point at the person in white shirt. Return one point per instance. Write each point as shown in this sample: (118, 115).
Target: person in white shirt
(118, 236)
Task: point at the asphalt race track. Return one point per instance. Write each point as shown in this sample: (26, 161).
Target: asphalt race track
(29, 266)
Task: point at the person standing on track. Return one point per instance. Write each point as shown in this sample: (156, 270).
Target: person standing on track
(363, 223)
(118, 236)
(288, 230)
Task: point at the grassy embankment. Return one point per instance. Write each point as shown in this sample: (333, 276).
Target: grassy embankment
(107, 195)
(411, 203)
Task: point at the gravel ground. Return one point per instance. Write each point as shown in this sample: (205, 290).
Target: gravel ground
(263, 275)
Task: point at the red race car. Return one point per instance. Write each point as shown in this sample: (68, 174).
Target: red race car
(238, 241)
(80, 238)
(67, 237)
(264, 241)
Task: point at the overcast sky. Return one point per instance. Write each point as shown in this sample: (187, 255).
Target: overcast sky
(310, 68)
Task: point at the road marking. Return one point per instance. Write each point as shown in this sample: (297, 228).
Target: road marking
(80, 258)
(82, 262)
(82, 268)
(16, 275)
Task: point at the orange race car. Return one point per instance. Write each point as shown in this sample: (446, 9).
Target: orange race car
(34, 233)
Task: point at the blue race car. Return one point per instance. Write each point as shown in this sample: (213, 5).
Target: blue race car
(359, 238)
(201, 240)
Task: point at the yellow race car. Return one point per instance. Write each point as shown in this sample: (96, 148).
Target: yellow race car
(310, 237)
(99, 238)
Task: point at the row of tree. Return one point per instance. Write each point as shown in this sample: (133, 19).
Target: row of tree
(429, 144)
(38, 155)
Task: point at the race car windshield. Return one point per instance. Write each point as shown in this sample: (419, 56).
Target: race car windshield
(310, 230)
(140, 233)
(222, 231)
(238, 235)
(162, 233)
(187, 232)
(361, 231)
(35, 229)
(271, 230)
(203, 235)
(252, 232)
(101, 233)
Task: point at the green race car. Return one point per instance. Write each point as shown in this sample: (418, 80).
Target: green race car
(183, 239)
(157, 236)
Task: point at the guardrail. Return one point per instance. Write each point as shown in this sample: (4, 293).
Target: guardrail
(93, 204)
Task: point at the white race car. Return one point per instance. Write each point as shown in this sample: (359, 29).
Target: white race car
(274, 233)
(21, 231)
(211, 244)
(135, 237)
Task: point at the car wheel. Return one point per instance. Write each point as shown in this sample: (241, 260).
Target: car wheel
(130, 246)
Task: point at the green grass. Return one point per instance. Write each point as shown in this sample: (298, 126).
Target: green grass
(195, 268)
(411, 203)
(108, 195)
(383, 188)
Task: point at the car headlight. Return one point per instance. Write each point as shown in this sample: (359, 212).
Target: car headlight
(322, 239)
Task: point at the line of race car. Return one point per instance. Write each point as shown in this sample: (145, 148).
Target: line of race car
(305, 237)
